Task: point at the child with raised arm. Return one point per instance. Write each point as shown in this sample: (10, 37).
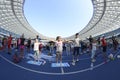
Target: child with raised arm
(59, 49)
(94, 48)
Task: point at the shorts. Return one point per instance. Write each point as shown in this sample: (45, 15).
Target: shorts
(76, 51)
(22, 47)
(104, 48)
(37, 53)
(58, 53)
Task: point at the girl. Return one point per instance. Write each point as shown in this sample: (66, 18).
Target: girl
(94, 48)
(59, 49)
(76, 48)
(93, 51)
(37, 52)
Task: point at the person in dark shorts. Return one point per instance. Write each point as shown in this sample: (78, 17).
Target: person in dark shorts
(28, 45)
(90, 41)
(76, 48)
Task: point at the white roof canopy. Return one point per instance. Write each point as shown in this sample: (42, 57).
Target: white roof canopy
(106, 18)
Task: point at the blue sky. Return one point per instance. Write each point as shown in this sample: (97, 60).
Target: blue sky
(58, 17)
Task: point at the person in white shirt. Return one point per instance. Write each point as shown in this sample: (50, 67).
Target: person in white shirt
(36, 49)
(37, 54)
(93, 52)
(76, 48)
(59, 49)
(94, 48)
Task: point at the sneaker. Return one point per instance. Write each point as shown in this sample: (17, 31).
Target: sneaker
(77, 60)
(91, 66)
(44, 62)
(73, 63)
(112, 58)
(93, 60)
(9, 53)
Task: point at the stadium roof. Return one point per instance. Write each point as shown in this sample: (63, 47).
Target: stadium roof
(106, 18)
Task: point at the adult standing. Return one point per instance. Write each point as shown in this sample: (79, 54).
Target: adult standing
(90, 41)
(115, 43)
(28, 45)
(76, 48)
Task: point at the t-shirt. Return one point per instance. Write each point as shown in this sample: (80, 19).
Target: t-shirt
(59, 46)
(104, 43)
(36, 46)
(9, 40)
(29, 42)
(77, 42)
(22, 40)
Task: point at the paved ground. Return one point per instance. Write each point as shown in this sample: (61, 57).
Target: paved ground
(81, 71)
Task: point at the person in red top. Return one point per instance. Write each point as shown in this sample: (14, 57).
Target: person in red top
(104, 47)
(9, 44)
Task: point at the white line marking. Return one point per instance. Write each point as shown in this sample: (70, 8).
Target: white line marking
(48, 73)
(62, 71)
